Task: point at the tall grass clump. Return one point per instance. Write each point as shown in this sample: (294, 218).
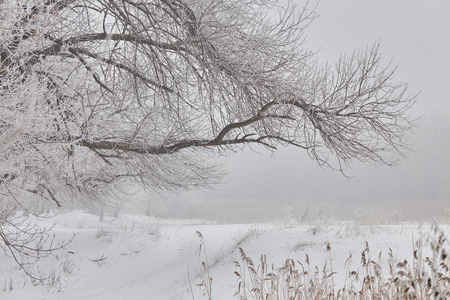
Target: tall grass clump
(291, 281)
(424, 277)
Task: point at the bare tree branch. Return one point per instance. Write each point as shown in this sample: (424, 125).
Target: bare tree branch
(93, 93)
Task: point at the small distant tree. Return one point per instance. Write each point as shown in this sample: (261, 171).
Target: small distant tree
(96, 94)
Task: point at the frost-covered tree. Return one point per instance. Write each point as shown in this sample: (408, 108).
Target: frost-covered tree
(99, 93)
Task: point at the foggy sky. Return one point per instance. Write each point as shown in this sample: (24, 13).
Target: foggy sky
(414, 34)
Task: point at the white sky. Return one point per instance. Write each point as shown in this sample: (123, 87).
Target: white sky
(415, 35)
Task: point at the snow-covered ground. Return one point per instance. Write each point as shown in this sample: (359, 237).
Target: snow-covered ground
(137, 257)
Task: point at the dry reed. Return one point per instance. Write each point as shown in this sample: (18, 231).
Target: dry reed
(423, 278)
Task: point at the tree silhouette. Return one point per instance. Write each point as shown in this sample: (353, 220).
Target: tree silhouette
(98, 94)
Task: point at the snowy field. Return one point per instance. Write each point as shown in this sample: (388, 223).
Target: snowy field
(137, 257)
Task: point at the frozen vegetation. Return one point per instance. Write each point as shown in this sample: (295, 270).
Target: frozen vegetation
(139, 257)
(100, 97)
